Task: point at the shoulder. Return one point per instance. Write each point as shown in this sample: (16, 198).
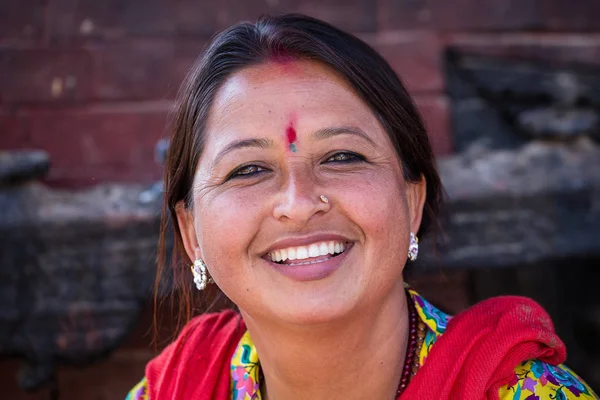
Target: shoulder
(204, 332)
(531, 380)
(205, 342)
(538, 380)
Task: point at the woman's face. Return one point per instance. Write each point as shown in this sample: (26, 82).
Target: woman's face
(256, 201)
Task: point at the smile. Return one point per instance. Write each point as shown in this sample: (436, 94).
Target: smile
(309, 254)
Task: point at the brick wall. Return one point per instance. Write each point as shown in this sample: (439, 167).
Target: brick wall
(92, 81)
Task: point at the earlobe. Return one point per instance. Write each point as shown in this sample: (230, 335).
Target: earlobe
(185, 220)
(416, 194)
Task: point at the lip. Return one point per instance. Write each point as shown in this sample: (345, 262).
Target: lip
(311, 272)
(303, 241)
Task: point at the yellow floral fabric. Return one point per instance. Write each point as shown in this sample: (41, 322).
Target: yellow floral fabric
(139, 391)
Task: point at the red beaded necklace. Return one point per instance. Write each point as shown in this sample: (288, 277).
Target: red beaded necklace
(416, 332)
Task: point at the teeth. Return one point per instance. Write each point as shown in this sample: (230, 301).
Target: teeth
(311, 251)
(291, 253)
(301, 253)
(323, 249)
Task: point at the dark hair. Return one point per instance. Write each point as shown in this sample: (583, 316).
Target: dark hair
(290, 36)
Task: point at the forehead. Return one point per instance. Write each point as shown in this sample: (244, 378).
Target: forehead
(273, 91)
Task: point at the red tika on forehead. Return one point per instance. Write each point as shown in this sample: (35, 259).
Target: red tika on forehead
(290, 133)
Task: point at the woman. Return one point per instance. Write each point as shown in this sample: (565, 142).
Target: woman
(299, 179)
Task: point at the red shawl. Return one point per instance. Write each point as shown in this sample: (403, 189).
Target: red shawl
(481, 347)
(197, 365)
(470, 361)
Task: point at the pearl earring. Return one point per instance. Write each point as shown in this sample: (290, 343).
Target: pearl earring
(413, 248)
(200, 276)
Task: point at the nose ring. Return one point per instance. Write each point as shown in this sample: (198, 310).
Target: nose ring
(324, 199)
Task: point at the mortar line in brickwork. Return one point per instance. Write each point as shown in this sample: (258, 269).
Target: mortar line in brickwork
(571, 39)
(100, 107)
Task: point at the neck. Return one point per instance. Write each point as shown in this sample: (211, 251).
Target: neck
(360, 357)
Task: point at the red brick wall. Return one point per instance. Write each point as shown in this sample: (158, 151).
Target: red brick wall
(92, 81)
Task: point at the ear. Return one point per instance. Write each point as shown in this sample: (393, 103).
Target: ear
(416, 193)
(185, 219)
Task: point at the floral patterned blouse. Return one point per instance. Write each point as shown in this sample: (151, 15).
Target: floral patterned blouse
(532, 380)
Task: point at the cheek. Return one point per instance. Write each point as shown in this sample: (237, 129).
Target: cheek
(226, 227)
(380, 210)
(378, 202)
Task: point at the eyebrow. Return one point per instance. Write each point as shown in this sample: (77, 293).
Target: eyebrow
(242, 144)
(332, 131)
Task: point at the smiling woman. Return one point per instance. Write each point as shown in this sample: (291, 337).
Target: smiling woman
(299, 179)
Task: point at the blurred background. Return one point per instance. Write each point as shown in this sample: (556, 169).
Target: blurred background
(509, 91)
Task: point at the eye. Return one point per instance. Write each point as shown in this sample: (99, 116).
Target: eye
(246, 171)
(345, 157)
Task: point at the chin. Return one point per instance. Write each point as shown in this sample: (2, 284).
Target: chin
(315, 313)
(316, 304)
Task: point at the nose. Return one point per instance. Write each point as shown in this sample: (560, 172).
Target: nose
(299, 198)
